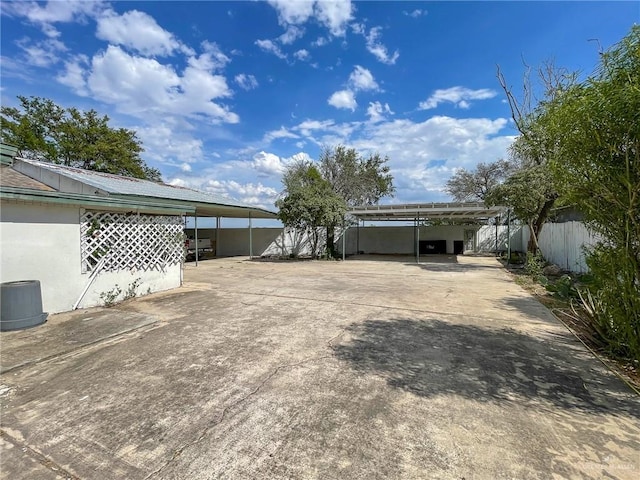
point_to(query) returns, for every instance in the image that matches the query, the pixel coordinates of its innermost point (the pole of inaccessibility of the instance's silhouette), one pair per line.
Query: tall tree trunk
(313, 237)
(535, 227)
(331, 250)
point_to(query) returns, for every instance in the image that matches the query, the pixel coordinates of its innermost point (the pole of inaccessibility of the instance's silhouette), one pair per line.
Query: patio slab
(366, 369)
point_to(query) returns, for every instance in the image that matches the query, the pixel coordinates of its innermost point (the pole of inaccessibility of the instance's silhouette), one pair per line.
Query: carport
(475, 212)
(227, 210)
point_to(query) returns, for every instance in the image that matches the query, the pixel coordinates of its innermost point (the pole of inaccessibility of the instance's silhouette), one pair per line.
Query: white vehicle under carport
(202, 245)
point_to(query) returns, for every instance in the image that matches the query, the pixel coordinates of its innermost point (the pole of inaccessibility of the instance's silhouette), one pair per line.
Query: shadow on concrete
(429, 358)
(447, 263)
(379, 257)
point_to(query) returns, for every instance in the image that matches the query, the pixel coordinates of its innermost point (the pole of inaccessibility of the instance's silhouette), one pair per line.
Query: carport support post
(250, 238)
(418, 239)
(496, 236)
(195, 227)
(217, 235)
(358, 237)
(344, 242)
(508, 236)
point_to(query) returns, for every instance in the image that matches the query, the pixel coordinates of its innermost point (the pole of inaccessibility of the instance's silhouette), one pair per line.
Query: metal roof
(31, 195)
(206, 204)
(452, 210)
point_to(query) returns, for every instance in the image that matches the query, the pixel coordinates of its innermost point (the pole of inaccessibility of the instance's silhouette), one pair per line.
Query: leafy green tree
(45, 131)
(475, 185)
(310, 203)
(596, 165)
(318, 196)
(529, 192)
(354, 179)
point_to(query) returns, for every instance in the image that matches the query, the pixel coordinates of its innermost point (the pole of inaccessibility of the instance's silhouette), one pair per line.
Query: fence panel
(564, 244)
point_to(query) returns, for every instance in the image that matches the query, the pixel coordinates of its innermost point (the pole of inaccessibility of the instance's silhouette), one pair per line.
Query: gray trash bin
(21, 305)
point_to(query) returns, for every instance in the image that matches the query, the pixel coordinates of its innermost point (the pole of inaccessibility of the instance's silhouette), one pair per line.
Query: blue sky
(225, 94)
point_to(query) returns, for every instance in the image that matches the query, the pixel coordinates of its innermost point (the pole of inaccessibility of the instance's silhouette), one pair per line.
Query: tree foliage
(596, 165)
(45, 131)
(528, 192)
(320, 195)
(533, 149)
(310, 203)
(356, 180)
(475, 185)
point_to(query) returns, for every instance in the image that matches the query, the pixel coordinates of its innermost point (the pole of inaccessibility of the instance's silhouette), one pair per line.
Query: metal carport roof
(416, 212)
(413, 211)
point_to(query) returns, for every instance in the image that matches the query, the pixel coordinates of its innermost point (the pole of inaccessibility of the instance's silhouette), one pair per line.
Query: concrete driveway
(372, 368)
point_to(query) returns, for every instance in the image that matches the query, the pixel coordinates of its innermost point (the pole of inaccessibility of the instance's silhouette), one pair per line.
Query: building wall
(374, 239)
(399, 240)
(235, 241)
(42, 242)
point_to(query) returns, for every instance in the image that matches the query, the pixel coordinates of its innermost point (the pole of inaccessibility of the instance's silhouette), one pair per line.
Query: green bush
(534, 264)
(564, 288)
(615, 290)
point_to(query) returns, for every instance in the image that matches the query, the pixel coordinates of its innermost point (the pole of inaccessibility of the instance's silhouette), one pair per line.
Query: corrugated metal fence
(564, 244)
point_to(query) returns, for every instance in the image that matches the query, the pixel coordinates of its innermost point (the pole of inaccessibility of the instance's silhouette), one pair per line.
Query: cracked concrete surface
(370, 368)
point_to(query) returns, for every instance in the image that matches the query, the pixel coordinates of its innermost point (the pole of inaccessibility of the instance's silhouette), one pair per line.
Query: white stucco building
(86, 235)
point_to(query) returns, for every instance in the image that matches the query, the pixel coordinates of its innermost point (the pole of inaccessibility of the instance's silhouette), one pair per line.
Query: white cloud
(320, 42)
(144, 87)
(422, 155)
(362, 79)
(47, 14)
(343, 99)
(332, 14)
(42, 53)
(170, 143)
(459, 96)
(237, 178)
(247, 82)
(358, 28)
(75, 74)
(268, 163)
(251, 193)
(138, 31)
(415, 13)
(211, 57)
(359, 80)
(375, 47)
(292, 12)
(291, 34)
(271, 47)
(302, 55)
(308, 126)
(335, 15)
(280, 133)
(376, 111)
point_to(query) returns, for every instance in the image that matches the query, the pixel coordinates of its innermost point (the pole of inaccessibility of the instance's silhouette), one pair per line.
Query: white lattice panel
(128, 241)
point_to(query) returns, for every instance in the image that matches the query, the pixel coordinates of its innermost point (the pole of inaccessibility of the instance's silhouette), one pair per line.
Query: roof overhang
(405, 212)
(93, 201)
(202, 209)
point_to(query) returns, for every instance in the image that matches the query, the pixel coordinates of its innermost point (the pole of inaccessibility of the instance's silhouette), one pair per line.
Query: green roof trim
(7, 153)
(92, 201)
